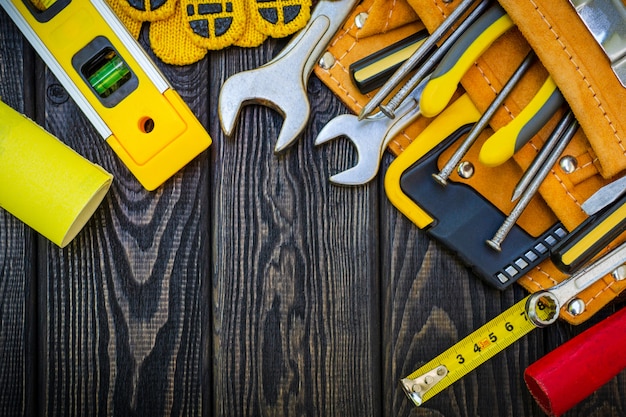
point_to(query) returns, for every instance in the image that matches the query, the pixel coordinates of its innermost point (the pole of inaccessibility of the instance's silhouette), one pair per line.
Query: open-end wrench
(370, 136)
(281, 84)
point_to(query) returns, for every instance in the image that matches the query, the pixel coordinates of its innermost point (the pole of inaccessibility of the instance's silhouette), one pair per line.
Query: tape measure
(539, 309)
(472, 351)
(115, 84)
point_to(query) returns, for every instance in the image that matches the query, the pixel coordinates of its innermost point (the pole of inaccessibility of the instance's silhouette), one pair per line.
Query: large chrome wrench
(281, 84)
(370, 136)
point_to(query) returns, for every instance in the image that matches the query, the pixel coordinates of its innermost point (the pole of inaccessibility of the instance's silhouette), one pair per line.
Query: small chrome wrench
(281, 84)
(560, 295)
(370, 136)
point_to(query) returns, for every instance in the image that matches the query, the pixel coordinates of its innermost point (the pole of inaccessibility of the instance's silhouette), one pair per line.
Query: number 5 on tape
(112, 80)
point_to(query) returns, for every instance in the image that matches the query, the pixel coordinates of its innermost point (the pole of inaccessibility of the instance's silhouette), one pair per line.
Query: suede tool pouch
(595, 158)
(582, 71)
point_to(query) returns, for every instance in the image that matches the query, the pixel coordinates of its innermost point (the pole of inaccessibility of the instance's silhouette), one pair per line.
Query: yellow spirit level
(110, 77)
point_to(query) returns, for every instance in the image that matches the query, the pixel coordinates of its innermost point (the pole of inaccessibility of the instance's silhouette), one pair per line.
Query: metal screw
(465, 170)
(327, 61)
(568, 164)
(576, 307)
(360, 19)
(565, 129)
(480, 125)
(422, 55)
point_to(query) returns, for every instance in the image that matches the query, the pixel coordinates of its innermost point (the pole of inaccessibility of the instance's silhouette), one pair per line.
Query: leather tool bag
(581, 70)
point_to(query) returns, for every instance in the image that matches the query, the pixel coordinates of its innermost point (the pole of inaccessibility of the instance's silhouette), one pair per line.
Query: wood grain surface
(246, 285)
(18, 249)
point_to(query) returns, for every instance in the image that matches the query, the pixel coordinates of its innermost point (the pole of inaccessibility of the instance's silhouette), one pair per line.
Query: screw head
(620, 272)
(576, 307)
(465, 170)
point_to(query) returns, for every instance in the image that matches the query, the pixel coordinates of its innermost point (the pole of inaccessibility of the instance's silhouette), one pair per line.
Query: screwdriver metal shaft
(539, 161)
(567, 127)
(416, 59)
(442, 176)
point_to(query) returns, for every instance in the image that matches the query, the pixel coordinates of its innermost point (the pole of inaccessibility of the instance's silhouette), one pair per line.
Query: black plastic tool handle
(590, 237)
(374, 70)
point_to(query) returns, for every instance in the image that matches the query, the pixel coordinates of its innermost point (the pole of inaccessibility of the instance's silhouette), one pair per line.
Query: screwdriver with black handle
(374, 70)
(606, 221)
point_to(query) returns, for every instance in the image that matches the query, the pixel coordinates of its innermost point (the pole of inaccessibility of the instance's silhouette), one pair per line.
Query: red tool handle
(573, 371)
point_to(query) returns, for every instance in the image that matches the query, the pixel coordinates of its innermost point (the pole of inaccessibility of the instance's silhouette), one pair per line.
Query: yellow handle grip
(510, 138)
(471, 45)
(593, 235)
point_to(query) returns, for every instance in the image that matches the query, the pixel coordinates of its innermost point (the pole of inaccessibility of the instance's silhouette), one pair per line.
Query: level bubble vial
(106, 72)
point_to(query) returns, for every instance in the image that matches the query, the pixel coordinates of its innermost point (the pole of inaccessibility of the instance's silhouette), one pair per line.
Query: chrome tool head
(367, 136)
(370, 137)
(282, 83)
(254, 87)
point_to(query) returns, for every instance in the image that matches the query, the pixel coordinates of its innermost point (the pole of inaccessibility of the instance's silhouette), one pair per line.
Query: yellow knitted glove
(181, 31)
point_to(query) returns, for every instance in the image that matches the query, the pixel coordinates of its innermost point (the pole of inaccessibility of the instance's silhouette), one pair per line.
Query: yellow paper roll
(43, 182)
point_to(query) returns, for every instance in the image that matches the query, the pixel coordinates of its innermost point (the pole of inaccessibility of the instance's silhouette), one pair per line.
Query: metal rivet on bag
(576, 307)
(360, 19)
(327, 61)
(619, 273)
(568, 164)
(465, 169)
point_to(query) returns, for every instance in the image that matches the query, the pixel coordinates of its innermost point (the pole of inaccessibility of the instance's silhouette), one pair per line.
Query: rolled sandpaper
(43, 182)
(573, 371)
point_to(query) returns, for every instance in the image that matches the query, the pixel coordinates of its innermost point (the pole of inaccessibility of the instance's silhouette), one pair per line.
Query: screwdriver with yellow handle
(606, 221)
(510, 138)
(461, 56)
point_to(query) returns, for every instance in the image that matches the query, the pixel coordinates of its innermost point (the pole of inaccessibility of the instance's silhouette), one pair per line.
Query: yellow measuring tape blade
(469, 353)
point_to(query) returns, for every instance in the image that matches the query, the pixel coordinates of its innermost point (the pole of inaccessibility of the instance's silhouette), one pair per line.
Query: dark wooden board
(246, 285)
(18, 326)
(122, 306)
(296, 267)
